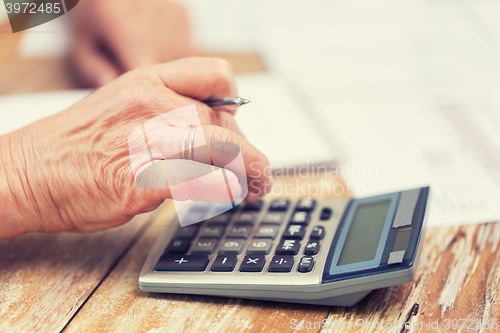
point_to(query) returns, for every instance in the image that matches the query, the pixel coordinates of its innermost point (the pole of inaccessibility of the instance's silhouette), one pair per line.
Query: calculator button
(222, 218)
(306, 205)
(253, 263)
(225, 208)
(187, 232)
(318, 233)
(205, 246)
(274, 218)
(279, 205)
(224, 263)
(178, 246)
(256, 206)
(260, 246)
(216, 224)
(214, 231)
(247, 217)
(312, 248)
(232, 246)
(326, 213)
(288, 246)
(306, 264)
(267, 231)
(281, 264)
(240, 231)
(178, 262)
(295, 231)
(300, 218)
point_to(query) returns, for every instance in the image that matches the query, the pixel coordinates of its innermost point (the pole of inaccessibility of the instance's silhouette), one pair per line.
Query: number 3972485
(32, 7)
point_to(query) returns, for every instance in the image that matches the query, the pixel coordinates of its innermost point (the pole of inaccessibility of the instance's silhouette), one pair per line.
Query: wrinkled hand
(73, 171)
(111, 37)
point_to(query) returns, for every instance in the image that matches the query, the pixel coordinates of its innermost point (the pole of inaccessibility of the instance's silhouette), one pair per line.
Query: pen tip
(245, 101)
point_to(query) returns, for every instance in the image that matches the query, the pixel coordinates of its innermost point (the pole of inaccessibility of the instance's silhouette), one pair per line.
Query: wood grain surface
(457, 278)
(89, 282)
(45, 278)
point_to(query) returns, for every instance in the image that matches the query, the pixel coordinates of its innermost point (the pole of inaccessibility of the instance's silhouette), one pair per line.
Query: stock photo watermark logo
(171, 152)
(26, 14)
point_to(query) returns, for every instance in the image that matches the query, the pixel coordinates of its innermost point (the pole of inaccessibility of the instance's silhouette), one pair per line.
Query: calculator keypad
(267, 231)
(184, 263)
(274, 218)
(256, 206)
(247, 218)
(300, 218)
(288, 246)
(252, 263)
(281, 264)
(222, 218)
(178, 246)
(312, 248)
(240, 231)
(306, 205)
(279, 205)
(294, 231)
(205, 246)
(224, 263)
(212, 231)
(187, 232)
(260, 246)
(232, 246)
(306, 264)
(250, 239)
(318, 232)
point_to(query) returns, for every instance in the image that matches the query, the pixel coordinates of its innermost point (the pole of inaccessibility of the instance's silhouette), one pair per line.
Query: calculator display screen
(364, 235)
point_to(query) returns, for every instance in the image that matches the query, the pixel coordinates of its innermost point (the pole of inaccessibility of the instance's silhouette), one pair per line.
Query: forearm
(16, 216)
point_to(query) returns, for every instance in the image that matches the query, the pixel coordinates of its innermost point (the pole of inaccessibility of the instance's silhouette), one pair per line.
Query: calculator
(326, 252)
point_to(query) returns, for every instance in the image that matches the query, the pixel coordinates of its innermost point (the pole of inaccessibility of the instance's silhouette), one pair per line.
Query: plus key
(182, 263)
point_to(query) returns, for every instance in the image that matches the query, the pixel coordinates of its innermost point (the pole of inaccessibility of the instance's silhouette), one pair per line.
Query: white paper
(379, 75)
(448, 139)
(278, 124)
(224, 25)
(49, 40)
(17, 111)
(361, 44)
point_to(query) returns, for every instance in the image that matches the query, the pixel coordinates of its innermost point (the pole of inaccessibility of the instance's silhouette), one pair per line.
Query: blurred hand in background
(112, 37)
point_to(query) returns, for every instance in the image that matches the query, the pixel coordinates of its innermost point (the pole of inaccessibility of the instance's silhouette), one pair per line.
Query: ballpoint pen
(228, 102)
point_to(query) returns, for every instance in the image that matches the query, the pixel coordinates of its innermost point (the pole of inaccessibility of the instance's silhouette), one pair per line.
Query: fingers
(132, 54)
(125, 29)
(96, 69)
(212, 145)
(198, 78)
(183, 179)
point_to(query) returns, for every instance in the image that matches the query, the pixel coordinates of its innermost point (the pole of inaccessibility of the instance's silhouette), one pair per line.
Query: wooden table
(88, 282)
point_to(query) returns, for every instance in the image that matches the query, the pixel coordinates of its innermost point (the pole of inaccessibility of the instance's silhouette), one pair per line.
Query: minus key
(224, 263)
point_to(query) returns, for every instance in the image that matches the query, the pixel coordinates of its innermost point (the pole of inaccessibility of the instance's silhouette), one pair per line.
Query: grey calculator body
(343, 249)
